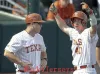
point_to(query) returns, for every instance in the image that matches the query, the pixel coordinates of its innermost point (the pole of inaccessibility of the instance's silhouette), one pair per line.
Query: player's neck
(30, 32)
(80, 31)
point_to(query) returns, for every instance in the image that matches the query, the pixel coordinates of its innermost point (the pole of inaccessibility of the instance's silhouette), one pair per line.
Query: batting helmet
(34, 17)
(81, 15)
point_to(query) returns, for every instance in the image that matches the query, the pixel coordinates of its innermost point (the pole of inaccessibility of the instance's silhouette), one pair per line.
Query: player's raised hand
(85, 6)
(53, 9)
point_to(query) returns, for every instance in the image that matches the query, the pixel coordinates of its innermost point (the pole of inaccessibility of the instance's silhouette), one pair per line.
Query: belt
(83, 66)
(21, 71)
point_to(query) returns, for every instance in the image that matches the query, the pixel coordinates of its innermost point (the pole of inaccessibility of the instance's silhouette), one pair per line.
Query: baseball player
(83, 39)
(26, 49)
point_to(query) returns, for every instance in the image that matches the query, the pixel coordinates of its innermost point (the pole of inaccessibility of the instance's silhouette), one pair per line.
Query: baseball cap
(34, 17)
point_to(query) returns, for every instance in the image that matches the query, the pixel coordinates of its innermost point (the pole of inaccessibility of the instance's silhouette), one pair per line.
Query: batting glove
(86, 7)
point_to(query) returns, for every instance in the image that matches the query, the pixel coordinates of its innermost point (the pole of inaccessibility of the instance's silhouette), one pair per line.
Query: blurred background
(12, 16)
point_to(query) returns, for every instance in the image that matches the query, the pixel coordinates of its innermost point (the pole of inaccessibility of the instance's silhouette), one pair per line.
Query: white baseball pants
(85, 71)
(24, 73)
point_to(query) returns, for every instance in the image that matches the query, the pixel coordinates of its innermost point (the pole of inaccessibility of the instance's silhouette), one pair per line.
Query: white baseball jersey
(83, 47)
(27, 48)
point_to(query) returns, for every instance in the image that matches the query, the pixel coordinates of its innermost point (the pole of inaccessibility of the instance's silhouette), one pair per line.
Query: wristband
(90, 11)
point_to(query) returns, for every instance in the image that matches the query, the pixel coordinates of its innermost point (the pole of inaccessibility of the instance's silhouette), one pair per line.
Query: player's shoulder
(72, 29)
(87, 29)
(18, 35)
(39, 35)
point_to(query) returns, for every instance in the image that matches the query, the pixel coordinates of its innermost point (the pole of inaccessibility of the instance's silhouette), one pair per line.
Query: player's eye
(39, 23)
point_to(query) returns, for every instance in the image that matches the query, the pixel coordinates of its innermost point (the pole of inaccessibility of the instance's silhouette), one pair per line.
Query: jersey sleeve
(43, 47)
(14, 45)
(94, 38)
(70, 32)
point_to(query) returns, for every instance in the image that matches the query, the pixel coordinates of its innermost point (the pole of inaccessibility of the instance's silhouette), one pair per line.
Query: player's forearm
(98, 55)
(98, 61)
(12, 57)
(93, 30)
(43, 55)
(93, 21)
(50, 19)
(60, 22)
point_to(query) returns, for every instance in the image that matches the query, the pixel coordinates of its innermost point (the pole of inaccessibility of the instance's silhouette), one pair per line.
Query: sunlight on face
(37, 26)
(78, 24)
(77, 21)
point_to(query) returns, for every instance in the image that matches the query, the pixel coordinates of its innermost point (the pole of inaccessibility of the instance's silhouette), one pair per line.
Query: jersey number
(79, 48)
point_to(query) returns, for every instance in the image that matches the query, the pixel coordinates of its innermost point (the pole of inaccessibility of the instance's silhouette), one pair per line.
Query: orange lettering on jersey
(35, 47)
(78, 48)
(32, 49)
(79, 41)
(38, 47)
(74, 42)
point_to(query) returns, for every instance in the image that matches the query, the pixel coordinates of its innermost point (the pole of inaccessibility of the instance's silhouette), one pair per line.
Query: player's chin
(77, 29)
(38, 31)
